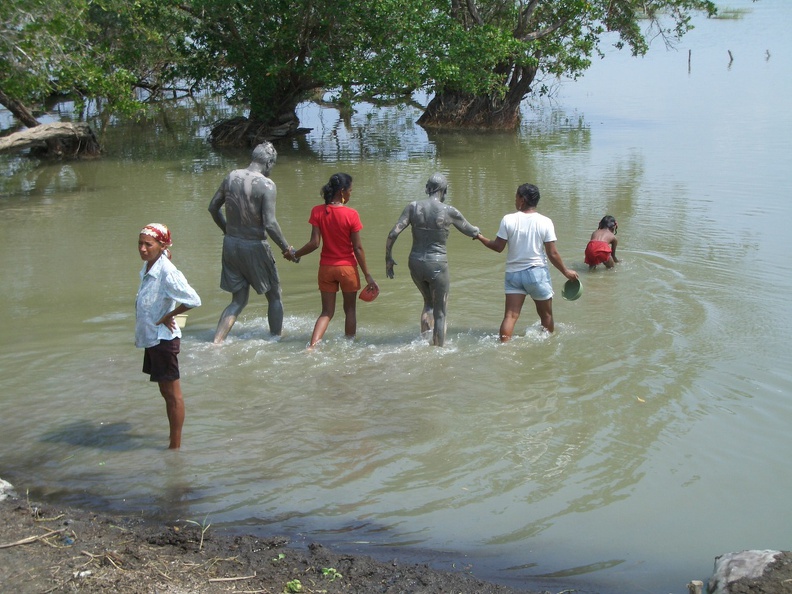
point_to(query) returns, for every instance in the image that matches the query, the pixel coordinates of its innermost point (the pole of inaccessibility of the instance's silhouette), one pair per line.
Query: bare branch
(527, 12)
(474, 13)
(533, 36)
(524, 19)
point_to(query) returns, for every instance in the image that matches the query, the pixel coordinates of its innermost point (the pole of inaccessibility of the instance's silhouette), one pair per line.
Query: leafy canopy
(98, 49)
(489, 42)
(272, 54)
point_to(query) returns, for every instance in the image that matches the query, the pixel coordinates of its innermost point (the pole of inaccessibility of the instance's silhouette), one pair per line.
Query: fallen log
(60, 140)
(242, 131)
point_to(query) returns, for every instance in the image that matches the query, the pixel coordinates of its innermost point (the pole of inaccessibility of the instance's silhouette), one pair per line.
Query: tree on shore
(497, 48)
(108, 51)
(270, 55)
(479, 58)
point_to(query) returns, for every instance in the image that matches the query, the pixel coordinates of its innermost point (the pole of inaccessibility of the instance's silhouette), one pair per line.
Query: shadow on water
(581, 457)
(117, 437)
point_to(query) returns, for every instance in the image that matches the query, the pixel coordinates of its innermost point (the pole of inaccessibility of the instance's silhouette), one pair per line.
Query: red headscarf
(159, 232)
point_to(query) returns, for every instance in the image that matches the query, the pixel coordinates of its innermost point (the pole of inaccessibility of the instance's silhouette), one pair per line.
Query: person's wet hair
(529, 193)
(338, 181)
(265, 154)
(437, 183)
(608, 222)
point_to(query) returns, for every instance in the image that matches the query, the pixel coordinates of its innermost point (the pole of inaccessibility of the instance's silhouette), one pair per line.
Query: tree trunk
(459, 110)
(18, 110)
(71, 140)
(248, 132)
(463, 111)
(50, 140)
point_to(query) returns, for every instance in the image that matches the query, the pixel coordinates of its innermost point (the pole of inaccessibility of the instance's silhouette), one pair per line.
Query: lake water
(622, 454)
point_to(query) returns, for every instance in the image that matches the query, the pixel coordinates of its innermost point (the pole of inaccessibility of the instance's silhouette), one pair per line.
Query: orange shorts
(332, 277)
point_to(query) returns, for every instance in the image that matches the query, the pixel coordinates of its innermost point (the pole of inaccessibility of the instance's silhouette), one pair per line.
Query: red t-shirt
(336, 223)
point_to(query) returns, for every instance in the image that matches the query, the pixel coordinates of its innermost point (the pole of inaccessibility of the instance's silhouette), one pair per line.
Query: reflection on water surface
(603, 455)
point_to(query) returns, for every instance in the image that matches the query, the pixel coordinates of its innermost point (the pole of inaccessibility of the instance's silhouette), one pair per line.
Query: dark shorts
(248, 262)
(161, 361)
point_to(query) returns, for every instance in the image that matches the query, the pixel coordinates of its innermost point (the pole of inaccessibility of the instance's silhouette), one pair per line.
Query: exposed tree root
(245, 132)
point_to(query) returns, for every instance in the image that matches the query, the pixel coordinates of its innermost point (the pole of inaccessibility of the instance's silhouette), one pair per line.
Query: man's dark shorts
(248, 262)
(161, 361)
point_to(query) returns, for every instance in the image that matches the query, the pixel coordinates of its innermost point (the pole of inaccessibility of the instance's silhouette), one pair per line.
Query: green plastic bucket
(573, 289)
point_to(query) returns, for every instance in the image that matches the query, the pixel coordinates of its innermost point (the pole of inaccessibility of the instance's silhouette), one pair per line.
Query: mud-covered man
(249, 199)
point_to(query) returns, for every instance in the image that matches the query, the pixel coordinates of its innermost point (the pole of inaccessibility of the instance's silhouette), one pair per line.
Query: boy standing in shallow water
(163, 294)
(601, 248)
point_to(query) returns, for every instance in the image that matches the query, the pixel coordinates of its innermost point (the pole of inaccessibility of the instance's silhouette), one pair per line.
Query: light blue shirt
(161, 290)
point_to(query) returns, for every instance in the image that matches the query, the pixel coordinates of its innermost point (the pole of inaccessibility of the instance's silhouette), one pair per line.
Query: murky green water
(647, 436)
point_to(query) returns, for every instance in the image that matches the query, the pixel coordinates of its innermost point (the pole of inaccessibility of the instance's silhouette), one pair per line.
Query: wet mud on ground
(47, 548)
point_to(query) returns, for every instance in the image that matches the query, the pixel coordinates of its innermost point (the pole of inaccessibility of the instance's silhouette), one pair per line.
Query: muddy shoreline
(51, 548)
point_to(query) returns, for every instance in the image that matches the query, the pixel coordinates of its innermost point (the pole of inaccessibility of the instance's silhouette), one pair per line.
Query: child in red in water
(601, 249)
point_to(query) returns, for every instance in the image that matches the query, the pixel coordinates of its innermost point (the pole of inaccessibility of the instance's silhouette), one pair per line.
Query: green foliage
(32, 41)
(331, 572)
(93, 49)
(272, 54)
(490, 42)
(204, 526)
(471, 59)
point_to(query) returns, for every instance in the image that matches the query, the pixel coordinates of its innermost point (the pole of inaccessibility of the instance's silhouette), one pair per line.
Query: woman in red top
(337, 228)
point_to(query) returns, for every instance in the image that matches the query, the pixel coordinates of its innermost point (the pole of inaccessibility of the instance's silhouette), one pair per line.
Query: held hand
(291, 254)
(371, 283)
(571, 274)
(389, 264)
